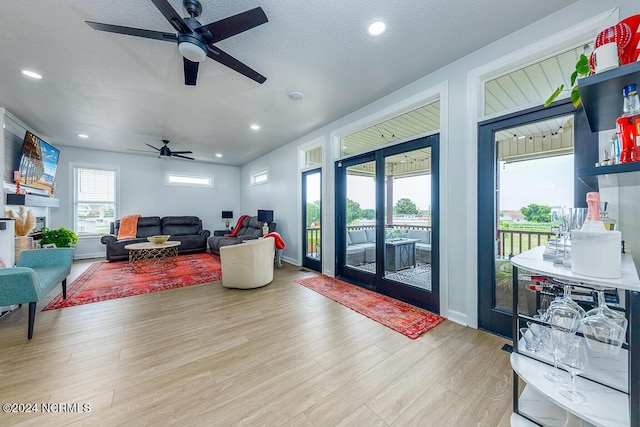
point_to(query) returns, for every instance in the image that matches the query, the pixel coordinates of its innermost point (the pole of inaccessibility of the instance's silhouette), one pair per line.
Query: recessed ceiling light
(83, 135)
(218, 155)
(255, 127)
(31, 74)
(296, 95)
(376, 28)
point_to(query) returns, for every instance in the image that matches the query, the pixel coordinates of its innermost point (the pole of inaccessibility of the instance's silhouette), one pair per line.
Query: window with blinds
(94, 206)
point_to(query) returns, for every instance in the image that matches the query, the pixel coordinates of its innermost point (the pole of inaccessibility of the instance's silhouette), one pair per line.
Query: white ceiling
(127, 91)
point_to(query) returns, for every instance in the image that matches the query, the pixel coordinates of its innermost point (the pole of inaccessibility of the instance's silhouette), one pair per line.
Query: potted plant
(582, 70)
(61, 237)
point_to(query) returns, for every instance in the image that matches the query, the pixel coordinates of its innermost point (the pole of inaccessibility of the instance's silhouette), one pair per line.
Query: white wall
(141, 190)
(458, 283)
(279, 195)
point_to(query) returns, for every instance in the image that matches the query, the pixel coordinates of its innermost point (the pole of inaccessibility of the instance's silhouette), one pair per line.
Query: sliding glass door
(387, 219)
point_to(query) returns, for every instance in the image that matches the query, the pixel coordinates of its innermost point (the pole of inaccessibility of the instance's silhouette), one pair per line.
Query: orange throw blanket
(128, 227)
(236, 230)
(279, 242)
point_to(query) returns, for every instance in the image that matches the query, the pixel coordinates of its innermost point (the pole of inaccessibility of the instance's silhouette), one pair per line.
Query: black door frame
(429, 300)
(491, 319)
(312, 263)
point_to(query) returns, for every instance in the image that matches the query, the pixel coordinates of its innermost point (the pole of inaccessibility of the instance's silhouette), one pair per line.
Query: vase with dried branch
(25, 222)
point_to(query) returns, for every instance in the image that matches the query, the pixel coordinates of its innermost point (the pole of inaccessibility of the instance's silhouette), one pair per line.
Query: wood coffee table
(150, 256)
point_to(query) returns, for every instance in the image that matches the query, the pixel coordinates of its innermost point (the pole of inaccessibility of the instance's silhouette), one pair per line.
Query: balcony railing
(510, 242)
(314, 234)
(514, 242)
(313, 239)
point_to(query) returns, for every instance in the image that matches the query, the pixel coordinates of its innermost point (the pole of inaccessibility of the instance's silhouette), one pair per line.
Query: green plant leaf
(574, 77)
(554, 95)
(582, 66)
(575, 97)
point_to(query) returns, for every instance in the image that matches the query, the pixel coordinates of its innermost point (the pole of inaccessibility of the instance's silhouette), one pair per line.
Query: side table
(147, 255)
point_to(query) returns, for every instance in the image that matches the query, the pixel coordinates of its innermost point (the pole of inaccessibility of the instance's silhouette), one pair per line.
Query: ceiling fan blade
(182, 157)
(138, 32)
(181, 152)
(225, 59)
(141, 151)
(190, 72)
(153, 147)
(232, 25)
(172, 16)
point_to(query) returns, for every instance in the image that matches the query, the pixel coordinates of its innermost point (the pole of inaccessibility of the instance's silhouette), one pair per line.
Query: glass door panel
(312, 219)
(534, 174)
(407, 218)
(360, 214)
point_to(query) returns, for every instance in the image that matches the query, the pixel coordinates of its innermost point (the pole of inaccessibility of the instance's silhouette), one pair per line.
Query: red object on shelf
(629, 52)
(627, 134)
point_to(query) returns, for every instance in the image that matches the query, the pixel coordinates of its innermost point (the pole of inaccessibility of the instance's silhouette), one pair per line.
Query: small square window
(260, 177)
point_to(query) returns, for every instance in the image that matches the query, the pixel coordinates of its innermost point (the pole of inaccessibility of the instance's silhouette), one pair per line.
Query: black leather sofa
(185, 229)
(250, 229)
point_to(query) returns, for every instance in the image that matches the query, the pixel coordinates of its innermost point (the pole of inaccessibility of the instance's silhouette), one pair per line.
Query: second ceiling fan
(165, 151)
(195, 41)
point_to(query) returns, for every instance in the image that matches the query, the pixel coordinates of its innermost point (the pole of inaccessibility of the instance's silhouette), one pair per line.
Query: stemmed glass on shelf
(575, 360)
(557, 226)
(564, 316)
(576, 219)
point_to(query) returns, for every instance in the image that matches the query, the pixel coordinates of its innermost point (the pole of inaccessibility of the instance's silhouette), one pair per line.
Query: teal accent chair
(36, 274)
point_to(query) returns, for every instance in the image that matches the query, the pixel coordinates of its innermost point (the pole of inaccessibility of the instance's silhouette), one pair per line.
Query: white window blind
(94, 200)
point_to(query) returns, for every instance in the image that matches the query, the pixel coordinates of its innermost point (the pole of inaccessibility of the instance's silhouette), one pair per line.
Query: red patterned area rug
(110, 280)
(397, 315)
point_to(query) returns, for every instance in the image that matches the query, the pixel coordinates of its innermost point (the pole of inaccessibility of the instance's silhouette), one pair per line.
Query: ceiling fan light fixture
(295, 95)
(376, 28)
(192, 50)
(31, 74)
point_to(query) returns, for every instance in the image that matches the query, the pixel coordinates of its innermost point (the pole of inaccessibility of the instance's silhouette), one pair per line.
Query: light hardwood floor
(281, 355)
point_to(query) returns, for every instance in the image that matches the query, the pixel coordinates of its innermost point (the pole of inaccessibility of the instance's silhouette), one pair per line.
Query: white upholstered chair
(248, 265)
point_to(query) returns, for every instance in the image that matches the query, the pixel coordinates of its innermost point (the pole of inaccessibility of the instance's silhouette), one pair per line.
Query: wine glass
(564, 318)
(532, 339)
(556, 345)
(577, 216)
(604, 329)
(557, 228)
(575, 360)
(564, 301)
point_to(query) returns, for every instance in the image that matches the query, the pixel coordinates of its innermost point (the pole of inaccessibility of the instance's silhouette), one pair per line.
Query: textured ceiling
(127, 91)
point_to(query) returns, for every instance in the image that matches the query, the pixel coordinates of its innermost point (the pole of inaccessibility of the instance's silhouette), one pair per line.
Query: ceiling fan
(165, 151)
(195, 41)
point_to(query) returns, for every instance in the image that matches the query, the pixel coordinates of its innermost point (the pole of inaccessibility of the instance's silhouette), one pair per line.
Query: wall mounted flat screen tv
(38, 163)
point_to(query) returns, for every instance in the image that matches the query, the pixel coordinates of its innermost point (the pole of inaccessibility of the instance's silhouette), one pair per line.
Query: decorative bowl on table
(158, 240)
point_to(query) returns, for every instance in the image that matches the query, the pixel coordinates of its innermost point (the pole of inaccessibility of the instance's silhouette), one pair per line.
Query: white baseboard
(89, 256)
(456, 316)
